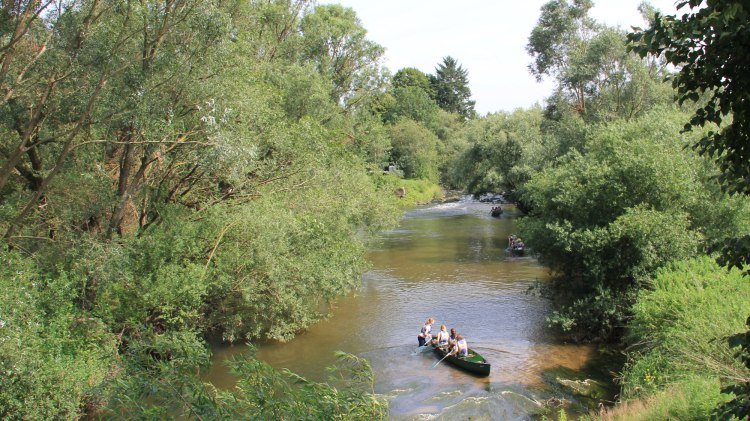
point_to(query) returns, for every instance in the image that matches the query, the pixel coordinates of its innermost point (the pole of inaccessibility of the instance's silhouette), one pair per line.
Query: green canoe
(474, 363)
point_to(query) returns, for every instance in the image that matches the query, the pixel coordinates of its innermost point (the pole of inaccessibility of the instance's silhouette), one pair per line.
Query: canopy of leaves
(414, 149)
(503, 151)
(411, 77)
(596, 76)
(334, 39)
(711, 46)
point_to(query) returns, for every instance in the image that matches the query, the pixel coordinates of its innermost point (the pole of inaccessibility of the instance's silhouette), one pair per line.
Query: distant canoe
(496, 211)
(516, 251)
(474, 363)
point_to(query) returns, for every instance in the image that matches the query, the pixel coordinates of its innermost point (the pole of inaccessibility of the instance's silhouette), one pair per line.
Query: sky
(487, 37)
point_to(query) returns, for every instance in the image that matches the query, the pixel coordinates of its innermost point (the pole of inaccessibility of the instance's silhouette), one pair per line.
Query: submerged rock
(446, 396)
(524, 403)
(587, 388)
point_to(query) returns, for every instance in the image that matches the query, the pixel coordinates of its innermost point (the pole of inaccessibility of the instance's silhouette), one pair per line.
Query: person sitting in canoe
(452, 337)
(443, 338)
(425, 334)
(460, 348)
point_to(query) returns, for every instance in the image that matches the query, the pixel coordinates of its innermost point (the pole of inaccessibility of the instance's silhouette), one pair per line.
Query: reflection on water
(448, 262)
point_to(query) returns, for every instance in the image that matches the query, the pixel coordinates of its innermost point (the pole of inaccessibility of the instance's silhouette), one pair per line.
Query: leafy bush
(504, 149)
(739, 406)
(169, 389)
(606, 220)
(414, 150)
(679, 330)
(53, 357)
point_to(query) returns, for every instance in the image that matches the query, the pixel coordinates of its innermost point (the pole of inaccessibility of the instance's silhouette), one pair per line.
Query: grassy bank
(415, 192)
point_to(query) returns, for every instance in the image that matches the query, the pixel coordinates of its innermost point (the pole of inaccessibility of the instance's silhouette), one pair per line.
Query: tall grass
(680, 356)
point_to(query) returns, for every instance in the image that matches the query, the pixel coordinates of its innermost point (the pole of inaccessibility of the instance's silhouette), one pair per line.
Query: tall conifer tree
(451, 83)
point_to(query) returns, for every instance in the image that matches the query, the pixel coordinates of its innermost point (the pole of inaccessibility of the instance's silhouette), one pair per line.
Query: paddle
(425, 347)
(441, 360)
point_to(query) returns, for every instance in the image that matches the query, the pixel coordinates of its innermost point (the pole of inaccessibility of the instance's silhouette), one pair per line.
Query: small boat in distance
(516, 247)
(473, 363)
(496, 211)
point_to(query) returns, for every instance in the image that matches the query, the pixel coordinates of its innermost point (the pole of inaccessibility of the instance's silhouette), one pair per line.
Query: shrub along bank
(680, 356)
(607, 219)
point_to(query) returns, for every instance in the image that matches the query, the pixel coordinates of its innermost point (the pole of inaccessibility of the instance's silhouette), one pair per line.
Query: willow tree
(335, 40)
(595, 74)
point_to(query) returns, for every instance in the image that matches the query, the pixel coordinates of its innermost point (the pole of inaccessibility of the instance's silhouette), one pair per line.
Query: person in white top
(425, 334)
(443, 338)
(461, 348)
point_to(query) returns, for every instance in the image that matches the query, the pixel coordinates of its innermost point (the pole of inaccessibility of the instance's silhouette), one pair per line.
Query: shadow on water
(449, 262)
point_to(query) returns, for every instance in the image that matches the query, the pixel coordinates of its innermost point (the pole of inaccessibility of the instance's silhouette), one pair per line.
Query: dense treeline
(174, 170)
(621, 207)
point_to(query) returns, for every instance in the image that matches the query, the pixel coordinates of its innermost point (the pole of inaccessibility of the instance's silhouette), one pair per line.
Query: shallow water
(447, 261)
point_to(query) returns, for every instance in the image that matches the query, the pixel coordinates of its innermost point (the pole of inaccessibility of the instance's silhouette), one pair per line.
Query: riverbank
(410, 192)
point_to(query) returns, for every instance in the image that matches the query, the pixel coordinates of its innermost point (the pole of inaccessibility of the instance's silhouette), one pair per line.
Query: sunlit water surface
(447, 261)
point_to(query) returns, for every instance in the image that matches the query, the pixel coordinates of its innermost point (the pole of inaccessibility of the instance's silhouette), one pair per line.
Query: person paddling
(460, 348)
(425, 334)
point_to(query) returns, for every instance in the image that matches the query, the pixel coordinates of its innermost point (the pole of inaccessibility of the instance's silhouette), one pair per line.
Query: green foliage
(303, 92)
(200, 178)
(503, 151)
(679, 328)
(709, 44)
(417, 192)
(740, 405)
(607, 265)
(411, 77)
(691, 398)
(171, 388)
(333, 38)
(414, 150)
(53, 356)
(596, 76)
(369, 139)
(268, 394)
(413, 103)
(607, 219)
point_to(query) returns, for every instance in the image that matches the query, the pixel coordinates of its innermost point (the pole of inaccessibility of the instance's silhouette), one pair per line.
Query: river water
(445, 261)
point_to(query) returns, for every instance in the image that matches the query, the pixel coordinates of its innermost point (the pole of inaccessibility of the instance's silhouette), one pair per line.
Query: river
(445, 261)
